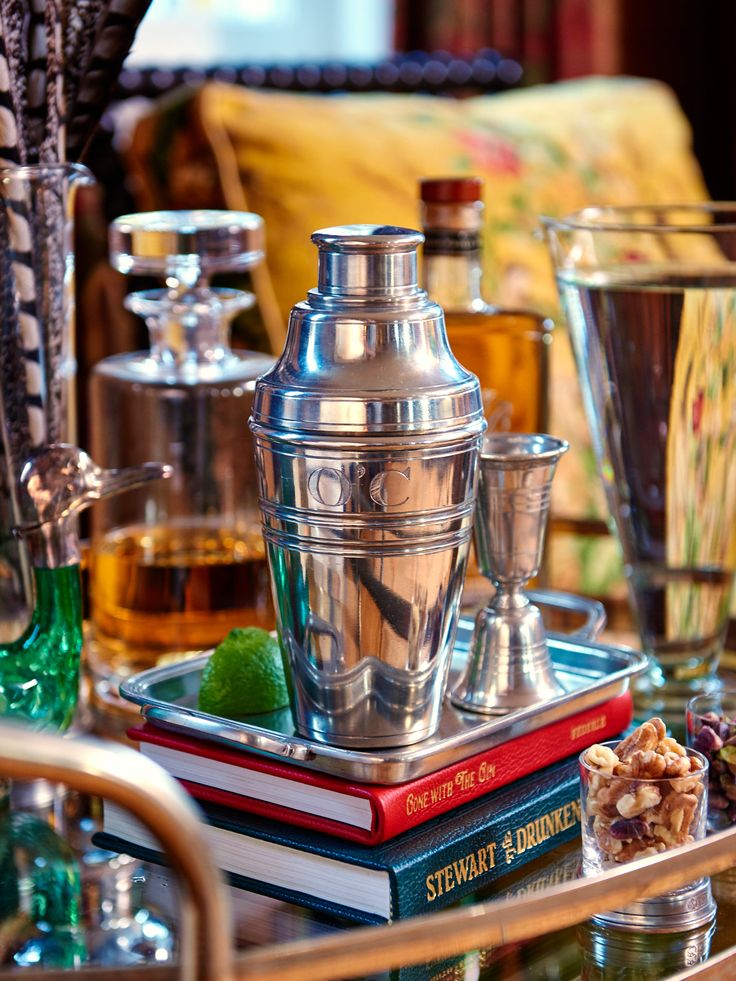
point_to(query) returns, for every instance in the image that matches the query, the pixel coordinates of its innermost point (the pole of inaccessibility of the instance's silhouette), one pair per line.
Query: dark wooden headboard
(438, 73)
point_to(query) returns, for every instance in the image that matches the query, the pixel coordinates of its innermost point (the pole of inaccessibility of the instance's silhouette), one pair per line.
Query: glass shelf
(65, 904)
(127, 913)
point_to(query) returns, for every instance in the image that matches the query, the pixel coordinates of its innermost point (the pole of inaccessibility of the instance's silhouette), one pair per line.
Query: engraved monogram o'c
(384, 485)
(329, 487)
(332, 487)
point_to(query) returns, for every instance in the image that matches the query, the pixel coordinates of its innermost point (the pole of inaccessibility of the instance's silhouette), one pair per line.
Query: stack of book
(369, 852)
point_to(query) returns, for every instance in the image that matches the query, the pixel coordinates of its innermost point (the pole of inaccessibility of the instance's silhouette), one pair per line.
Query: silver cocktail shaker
(367, 433)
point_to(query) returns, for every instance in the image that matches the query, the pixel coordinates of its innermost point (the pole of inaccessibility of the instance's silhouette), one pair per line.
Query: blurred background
(163, 144)
(686, 44)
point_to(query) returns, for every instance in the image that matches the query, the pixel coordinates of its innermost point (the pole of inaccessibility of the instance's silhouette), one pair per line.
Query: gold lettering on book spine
(587, 728)
(415, 802)
(463, 782)
(536, 832)
(465, 869)
(483, 772)
(515, 842)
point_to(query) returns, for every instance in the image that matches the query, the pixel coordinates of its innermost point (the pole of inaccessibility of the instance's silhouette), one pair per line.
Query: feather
(15, 417)
(49, 50)
(53, 147)
(35, 115)
(13, 81)
(113, 38)
(80, 20)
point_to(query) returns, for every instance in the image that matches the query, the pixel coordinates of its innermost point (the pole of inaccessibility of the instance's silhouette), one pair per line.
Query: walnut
(595, 783)
(670, 745)
(600, 804)
(609, 845)
(667, 836)
(623, 768)
(659, 726)
(646, 737)
(677, 819)
(605, 800)
(601, 757)
(687, 785)
(688, 804)
(640, 849)
(676, 812)
(633, 804)
(676, 766)
(647, 764)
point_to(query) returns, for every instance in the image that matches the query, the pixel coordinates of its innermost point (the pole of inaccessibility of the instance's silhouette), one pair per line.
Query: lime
(244, 675)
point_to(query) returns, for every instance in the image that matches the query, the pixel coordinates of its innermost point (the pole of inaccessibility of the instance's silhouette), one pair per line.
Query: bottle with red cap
(506, 349)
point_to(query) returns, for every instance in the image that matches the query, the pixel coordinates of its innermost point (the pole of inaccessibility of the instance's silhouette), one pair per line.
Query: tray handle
(210, 728)
(593, 610)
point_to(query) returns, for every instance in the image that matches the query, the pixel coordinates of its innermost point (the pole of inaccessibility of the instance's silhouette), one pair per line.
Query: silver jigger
(509, 664)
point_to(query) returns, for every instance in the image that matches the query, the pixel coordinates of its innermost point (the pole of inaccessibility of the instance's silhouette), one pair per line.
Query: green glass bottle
(39, 672)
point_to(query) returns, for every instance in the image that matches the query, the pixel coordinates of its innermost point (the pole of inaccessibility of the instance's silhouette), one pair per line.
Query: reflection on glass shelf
(626, 956)
(63, 902)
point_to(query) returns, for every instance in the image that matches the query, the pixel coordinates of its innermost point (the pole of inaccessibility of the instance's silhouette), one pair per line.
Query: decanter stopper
(186, 247)
(509, 664)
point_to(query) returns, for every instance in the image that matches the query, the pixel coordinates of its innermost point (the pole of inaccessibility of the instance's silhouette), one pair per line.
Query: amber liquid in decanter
(164, 589)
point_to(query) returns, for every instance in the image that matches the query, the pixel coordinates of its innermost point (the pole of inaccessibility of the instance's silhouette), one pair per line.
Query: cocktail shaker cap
(367, 351)
(367, 260)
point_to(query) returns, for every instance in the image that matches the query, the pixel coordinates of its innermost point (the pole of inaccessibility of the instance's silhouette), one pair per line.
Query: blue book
(426, 868)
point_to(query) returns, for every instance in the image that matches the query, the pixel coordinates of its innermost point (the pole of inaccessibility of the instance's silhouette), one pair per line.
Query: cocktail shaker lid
(367, 351)
(367, 260)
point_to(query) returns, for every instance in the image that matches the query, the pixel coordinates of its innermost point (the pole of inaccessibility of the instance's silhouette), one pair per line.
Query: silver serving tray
(590, 673)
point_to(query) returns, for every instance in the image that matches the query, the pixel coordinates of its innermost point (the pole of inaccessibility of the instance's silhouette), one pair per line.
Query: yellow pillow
(305, 162)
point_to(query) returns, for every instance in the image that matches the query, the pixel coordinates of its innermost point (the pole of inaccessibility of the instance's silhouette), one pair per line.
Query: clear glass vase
(37, 365)
(649, 293)
(37, 361)
(44, 479)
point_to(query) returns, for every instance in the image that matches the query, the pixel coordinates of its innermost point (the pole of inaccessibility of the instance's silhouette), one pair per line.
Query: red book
(364, 812)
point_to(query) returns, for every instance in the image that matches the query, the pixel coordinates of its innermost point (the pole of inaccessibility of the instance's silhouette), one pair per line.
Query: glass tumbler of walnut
(640, 796)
